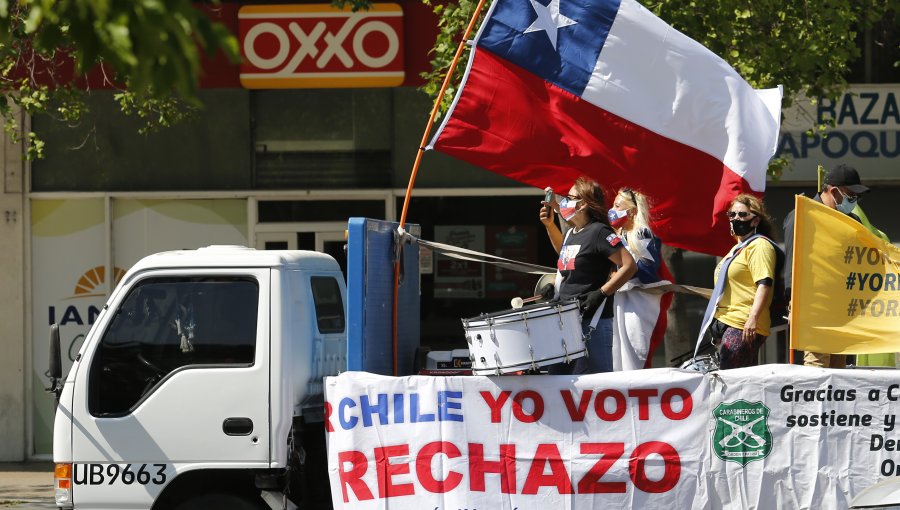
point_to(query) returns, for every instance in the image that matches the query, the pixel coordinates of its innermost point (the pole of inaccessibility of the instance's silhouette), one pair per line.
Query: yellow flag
(846, 284)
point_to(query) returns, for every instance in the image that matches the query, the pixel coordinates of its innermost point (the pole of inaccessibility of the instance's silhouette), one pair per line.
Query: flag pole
(434, 110)
(417, 162)
(791, 303)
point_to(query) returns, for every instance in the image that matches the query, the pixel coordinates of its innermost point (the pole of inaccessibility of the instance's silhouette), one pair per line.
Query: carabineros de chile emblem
(742, 431)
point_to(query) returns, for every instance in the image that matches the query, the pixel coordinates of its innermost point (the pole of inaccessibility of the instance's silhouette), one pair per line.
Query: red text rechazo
(398, 474)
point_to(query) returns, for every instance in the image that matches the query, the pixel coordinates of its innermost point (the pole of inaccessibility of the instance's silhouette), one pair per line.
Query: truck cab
(200, 384)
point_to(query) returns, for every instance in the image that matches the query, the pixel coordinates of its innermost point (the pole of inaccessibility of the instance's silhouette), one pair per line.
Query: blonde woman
(639, 323)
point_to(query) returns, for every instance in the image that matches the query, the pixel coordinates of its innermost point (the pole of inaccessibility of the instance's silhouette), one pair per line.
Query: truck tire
(221, 500)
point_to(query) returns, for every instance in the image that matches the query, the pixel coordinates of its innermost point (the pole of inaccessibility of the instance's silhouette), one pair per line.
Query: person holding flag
(639, 322)
(588, 254)
(842, 191)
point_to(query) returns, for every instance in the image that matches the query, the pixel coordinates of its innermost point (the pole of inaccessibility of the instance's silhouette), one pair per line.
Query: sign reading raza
(319, 46)
(865, 133)
(651, 438)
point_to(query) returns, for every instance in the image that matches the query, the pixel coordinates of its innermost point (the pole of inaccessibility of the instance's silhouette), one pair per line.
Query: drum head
(544, 280)
(529, 311)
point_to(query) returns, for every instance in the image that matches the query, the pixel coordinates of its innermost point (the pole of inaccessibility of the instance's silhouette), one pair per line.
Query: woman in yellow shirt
(741, 319)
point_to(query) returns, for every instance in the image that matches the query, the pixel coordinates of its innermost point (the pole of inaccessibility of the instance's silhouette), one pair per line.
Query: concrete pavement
(26, 485)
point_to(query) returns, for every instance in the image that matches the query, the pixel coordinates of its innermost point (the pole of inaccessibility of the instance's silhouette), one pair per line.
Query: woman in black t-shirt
(588, 253)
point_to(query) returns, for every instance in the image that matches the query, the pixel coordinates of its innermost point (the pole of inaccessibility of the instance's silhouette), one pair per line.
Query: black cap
(846, 176)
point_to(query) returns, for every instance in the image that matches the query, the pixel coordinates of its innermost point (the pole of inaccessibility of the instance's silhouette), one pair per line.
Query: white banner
(774, 436)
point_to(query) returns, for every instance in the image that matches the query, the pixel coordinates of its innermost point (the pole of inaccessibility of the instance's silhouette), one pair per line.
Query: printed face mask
(617, 218)
(742, 228)
(568, 208)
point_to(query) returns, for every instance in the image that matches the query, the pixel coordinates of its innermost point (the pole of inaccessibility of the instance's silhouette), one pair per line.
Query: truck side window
(165, 324)
(329, 305)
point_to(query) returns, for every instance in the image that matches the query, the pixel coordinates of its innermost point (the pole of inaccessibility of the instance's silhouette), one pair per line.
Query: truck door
(178, 374)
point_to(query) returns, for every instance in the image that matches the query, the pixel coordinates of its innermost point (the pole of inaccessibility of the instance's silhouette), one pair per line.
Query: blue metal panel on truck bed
(370, 287)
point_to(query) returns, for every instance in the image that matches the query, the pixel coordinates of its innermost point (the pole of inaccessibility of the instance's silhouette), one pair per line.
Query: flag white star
(549, 20)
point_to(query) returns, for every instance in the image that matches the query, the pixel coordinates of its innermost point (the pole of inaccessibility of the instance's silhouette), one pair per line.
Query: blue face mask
(847, 204)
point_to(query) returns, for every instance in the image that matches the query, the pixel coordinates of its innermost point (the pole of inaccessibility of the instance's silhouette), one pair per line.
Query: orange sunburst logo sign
(93, 278)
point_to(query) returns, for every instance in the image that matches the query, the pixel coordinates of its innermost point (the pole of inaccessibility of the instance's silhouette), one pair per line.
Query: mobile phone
(548, 198)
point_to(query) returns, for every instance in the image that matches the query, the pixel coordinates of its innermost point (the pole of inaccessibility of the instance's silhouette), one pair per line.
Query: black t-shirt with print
(584, 262)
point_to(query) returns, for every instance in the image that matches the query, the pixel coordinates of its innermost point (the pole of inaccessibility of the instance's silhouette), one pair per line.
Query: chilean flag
(606, 89)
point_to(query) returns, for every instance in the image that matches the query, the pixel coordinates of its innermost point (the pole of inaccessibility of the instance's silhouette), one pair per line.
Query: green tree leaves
(151, 49)
(151, 44)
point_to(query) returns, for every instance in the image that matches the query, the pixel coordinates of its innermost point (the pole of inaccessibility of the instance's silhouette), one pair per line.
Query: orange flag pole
(415, 169)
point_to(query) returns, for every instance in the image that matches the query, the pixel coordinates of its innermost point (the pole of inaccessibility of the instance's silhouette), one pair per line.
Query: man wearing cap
(842, 190)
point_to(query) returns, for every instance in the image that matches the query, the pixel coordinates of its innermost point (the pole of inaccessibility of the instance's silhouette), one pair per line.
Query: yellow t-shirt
(754, 263)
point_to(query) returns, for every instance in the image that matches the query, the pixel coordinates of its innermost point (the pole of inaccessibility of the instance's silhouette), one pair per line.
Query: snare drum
(525, 338)
(702, 364)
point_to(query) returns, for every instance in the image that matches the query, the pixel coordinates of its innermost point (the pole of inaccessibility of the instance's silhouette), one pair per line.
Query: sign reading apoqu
(319, 46)
(865, 133)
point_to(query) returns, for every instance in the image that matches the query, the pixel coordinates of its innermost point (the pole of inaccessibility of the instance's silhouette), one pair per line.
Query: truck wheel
(221, 500)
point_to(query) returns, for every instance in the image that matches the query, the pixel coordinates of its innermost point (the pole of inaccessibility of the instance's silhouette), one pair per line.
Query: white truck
(200, 384)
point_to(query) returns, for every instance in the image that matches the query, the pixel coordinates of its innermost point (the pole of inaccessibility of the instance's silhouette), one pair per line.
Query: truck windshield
(165, 324)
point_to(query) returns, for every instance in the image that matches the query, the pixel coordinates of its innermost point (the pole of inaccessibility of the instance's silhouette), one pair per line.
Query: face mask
(742, 228)
(846, 206)
(617, 218)
(568, 208)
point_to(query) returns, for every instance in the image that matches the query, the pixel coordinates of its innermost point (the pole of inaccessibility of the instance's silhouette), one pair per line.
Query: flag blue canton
(570, 64)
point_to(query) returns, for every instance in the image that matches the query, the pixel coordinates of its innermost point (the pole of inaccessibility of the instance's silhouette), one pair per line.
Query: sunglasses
(742, 215)
(849, 196)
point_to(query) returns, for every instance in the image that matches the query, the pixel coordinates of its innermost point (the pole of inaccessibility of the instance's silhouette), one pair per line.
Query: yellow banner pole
(792, 303)
(820, 185)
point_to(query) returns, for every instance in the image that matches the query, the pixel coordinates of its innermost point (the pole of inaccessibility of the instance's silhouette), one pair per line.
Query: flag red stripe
(662, 320)
(518, 125)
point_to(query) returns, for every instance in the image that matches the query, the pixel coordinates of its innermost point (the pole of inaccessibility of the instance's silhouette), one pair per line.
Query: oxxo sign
(319, 46)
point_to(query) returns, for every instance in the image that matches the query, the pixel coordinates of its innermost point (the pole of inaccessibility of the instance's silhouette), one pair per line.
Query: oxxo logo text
(319, 46)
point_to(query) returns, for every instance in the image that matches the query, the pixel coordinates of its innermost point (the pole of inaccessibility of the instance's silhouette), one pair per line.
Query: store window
(105, 151)
(322, 138)
(299, 211)
(507, 226)
(879, 52)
